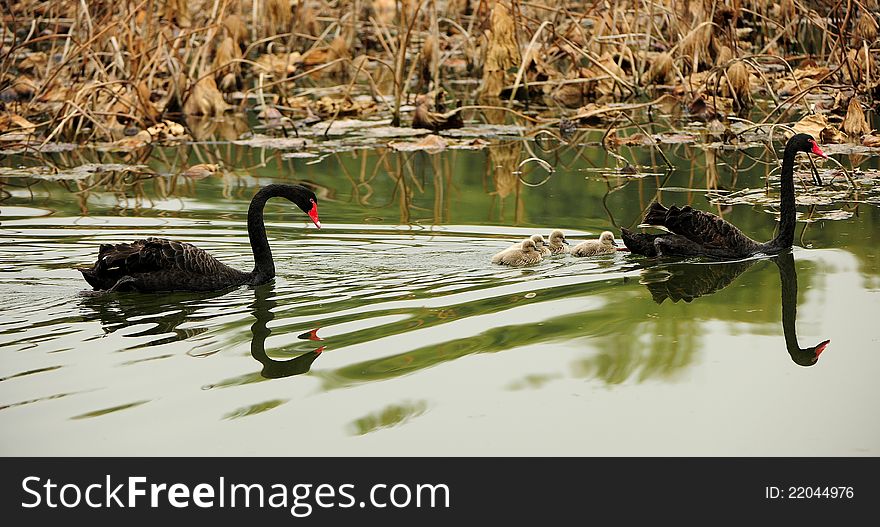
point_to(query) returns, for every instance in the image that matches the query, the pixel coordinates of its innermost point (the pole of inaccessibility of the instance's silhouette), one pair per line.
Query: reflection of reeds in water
(137, 178)
(390, 416)
(503, 164)
(230, 127)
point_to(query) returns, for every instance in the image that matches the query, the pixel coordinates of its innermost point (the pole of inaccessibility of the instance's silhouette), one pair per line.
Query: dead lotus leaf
(854, 124)
(344, 107)
(140, 140)
(279, 65)
(638, 139)
(205, 99)
(502, 52)
(817, 126)
(87, 170)
(430, 143)
(811, 72)
(434, 121)
(470, 144)
(201, 170)
(708, 107)
(825, 215)
(280, 143)
(167, 131)
(871, 141)
(14, 127)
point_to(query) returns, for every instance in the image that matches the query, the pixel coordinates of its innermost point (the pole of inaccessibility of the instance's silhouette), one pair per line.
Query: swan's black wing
(703, 228)
(159, 254)
(156, 258)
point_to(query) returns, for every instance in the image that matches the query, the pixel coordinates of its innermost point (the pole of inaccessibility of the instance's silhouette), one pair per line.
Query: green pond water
(428, 349)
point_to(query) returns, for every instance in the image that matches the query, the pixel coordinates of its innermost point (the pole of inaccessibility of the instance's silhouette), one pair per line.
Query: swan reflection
(274, 368)
(688, 282)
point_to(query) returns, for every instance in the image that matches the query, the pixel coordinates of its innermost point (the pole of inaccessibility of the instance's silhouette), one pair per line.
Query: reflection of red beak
(818, 151)
(320, 350)
(310, 335)
(821, 347)
(314, 215)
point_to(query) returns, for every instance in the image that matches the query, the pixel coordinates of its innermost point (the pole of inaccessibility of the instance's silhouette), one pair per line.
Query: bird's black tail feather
(656, 214)
(639, 243)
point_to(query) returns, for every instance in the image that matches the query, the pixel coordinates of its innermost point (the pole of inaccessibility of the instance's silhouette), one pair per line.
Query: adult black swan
(697, 233)
(157, 264)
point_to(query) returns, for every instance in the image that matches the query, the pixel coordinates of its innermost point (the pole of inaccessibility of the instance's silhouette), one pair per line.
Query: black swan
(697, 233)
(157, 264)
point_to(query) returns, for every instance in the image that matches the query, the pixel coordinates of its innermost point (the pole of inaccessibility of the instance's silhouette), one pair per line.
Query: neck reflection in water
(273, 368)
(684, 281)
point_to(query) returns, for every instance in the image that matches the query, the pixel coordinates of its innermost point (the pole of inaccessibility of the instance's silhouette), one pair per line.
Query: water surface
(425, 347)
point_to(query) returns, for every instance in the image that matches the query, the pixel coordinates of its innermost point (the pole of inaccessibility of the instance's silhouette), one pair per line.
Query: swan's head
(557, 237)
(305, 199)
(805, 143)
(607, 238)
(528, 245)
(539, 240)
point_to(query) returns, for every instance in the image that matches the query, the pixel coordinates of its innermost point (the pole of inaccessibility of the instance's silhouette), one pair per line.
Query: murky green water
(428, 348)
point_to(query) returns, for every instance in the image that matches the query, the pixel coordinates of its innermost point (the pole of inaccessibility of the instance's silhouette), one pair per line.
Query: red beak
(821, 347)
(313, 214)
(320, 350)
(818, 151)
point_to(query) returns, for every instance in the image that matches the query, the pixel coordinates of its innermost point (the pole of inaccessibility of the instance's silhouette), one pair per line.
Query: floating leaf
(431, 143)
(279, 143)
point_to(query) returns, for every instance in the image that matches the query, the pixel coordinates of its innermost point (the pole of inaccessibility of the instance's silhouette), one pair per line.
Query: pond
(389, 332)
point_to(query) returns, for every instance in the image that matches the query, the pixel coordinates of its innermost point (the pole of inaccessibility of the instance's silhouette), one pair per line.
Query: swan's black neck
(264, 266)
(787, 212)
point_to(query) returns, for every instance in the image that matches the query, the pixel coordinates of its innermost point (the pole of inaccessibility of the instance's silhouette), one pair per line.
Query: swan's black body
(157, 264)
(697, 233)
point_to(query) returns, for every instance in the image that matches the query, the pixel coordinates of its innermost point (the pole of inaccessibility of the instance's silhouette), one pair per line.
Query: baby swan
(540, 245)
(558, 243)
(526, 253)
(604, 245)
